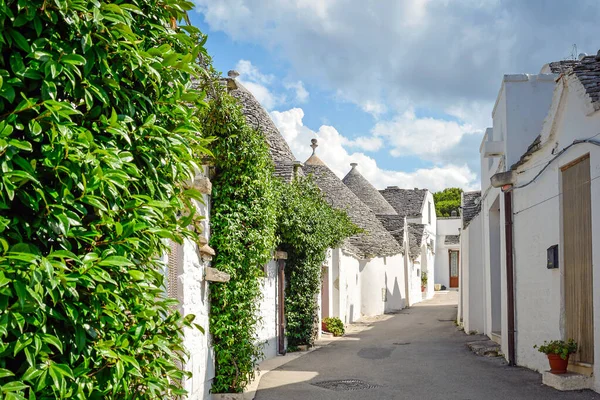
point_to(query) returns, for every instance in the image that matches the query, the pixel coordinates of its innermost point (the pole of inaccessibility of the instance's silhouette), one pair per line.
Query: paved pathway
(416, 354)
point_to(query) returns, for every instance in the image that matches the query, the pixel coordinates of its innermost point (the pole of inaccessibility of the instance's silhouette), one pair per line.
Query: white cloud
(437, 53)
(300, 91)
(333, 150)
(365, 143)
(373, 108)
(250, 72)
(425, 137)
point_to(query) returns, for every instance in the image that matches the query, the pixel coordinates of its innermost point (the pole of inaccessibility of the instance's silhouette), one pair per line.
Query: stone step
(487, 348)
(568, 381)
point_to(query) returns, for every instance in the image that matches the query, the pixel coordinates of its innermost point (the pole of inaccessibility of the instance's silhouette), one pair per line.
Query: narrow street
(415, 354)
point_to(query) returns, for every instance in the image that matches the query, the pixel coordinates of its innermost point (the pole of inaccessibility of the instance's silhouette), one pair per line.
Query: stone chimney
(353, 165)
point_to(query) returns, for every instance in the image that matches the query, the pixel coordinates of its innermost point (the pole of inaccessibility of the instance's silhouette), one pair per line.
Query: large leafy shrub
(307, 227)
(96, 134)
(243, 220)
(446, 201)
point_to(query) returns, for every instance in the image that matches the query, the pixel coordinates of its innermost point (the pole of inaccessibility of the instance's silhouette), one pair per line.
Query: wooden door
(577, 250)
(453, 255)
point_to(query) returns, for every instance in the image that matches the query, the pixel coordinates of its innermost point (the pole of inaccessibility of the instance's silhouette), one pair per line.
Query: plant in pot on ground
(423, 281)
(334, 325)
(558, 352)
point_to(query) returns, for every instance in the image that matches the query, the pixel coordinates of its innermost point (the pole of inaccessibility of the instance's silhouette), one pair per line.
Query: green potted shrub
(423, 281)
(334, 325)
(558, 352)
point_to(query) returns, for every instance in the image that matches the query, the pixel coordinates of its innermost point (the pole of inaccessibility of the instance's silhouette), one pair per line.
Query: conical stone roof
(367, 193)
(376, 241)
(258, 118)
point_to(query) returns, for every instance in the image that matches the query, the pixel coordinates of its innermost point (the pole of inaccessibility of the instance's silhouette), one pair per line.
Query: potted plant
(334, 325)
(558, 352)
(423, 281)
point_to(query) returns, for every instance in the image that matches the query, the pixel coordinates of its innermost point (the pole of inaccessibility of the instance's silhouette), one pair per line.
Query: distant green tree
(446, 201)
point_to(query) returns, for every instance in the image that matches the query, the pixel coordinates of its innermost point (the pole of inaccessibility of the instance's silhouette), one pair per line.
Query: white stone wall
(472, 282)
(537, 226)
(348, 283)
(267, 330)
(193, 294)
(445, 226)
(394, 283)
(195, 301)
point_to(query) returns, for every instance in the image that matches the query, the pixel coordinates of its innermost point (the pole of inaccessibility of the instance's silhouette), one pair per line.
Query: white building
(557, 224)
(522, 104)
(368, 266)
(447, 252)
(543, 152)
(418, 208)
(471, 305)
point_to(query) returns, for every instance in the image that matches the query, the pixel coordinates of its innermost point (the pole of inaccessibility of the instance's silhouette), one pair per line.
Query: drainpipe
(505, 180)
(510, 295)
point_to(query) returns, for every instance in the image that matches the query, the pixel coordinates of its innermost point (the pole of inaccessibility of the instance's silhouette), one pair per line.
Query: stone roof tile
(452, 239)
(415, 238)
(587, 70)
(367, 193)
(406, 202)
(375, 240)
(471, 206)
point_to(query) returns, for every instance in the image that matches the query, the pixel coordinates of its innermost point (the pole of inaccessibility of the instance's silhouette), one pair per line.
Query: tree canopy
(446, 201)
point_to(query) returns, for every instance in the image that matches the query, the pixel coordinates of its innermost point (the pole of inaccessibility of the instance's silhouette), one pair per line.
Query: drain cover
(344, 385)
(401, 343)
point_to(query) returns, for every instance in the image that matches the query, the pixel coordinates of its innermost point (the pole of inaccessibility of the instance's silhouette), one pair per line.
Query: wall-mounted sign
(552, 261)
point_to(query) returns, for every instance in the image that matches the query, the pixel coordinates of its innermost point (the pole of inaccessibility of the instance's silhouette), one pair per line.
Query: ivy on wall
(307, 227)
(243, 220)
(96, 137)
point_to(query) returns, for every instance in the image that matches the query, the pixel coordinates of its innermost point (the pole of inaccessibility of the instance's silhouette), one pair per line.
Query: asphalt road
(415, 354)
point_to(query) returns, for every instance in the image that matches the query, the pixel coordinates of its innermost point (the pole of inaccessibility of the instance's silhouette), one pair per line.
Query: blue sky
(405, 88)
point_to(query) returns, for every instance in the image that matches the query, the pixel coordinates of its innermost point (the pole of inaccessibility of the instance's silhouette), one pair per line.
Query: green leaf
(20, 40)
(73, 59)
(137, 275)
(117, 261)
(5, 373)
(14, 386)
(54, 341)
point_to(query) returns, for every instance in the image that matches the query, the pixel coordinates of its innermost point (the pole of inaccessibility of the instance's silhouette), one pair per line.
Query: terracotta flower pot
(423, 289)
(557, 364)
(324, 327)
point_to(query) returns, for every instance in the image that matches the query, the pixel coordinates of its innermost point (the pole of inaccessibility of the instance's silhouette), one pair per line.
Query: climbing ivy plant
(98, 129)
(243, 221)
(307, 227)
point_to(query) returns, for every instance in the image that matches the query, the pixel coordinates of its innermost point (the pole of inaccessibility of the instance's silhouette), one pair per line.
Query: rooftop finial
(233, 74)
(353, 165)
(314, 145)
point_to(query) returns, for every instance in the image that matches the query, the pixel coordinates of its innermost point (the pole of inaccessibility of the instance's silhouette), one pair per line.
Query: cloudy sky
(403, 87)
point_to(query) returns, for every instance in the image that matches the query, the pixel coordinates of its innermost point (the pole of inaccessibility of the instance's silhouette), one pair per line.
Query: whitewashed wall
(472, 282)
(267, 329)
(394, 283)
(195, 301)
(445, 226)
(193, 293)
(348, 286)
(539, 298)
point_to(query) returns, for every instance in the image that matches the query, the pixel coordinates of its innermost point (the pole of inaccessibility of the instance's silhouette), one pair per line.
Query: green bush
(558, 347)
(97, 131)
(334, 325)
(243, 220)
(307, 227)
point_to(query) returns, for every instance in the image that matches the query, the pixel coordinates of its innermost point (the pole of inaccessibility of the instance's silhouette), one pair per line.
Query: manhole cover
(343, 385)
(401, 343)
